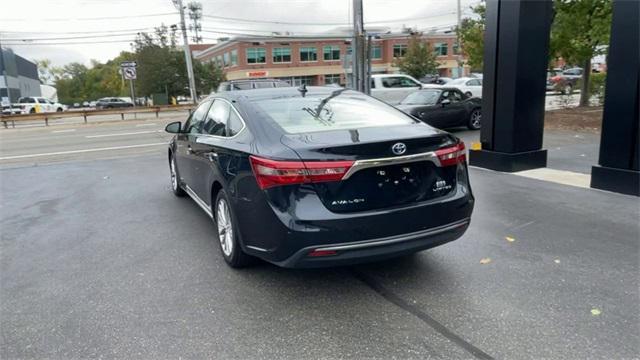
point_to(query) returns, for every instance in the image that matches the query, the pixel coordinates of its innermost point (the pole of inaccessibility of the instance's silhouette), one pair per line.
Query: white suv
(35, 104)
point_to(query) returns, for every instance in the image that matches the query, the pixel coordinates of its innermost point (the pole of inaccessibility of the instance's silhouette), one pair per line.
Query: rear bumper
(286, 237)
(376, 249)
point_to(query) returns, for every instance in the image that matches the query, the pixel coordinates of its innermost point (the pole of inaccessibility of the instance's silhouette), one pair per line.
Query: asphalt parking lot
(99, 259)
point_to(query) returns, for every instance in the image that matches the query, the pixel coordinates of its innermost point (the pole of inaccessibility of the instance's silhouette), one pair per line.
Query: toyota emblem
(399, 148)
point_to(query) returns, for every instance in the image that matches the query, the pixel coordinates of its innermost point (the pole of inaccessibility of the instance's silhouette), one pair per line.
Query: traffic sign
(129, 73)
(125, 64)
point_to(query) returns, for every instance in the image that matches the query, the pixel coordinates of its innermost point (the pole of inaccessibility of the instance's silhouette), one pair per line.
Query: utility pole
(195, 14)
(459, 57)
(358, 54)
(187, 52)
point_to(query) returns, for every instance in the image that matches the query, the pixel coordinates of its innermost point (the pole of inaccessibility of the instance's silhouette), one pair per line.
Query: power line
(92, 18)
(321, 24)
(68, 43)
(73, 32)
(70, 37)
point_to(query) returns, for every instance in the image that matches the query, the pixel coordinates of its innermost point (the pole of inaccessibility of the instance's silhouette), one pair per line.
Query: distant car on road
(37, 104)
(248, 84)
(468, 85)
(444, 108)
(564, 82)
(319, 176)
(112, 103)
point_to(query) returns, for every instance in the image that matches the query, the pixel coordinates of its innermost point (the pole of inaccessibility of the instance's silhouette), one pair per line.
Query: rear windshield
(335, 111)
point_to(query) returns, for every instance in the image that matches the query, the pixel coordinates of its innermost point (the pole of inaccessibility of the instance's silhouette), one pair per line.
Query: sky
(81, 30)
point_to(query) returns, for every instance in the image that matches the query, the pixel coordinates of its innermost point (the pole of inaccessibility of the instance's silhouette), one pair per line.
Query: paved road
(36, 145)
(99, 259)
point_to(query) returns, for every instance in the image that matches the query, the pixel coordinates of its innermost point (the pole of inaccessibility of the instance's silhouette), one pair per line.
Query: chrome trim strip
(396, 238)
(244, 124)
(256, 248)
(198, 201)
(365, 164)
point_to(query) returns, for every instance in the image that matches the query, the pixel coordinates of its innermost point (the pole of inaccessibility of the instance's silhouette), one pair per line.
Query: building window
(226, 60)
(299, 80)
(331, 52)
(308, 54)
(440, 49)
(281, 55)
(234, 57)
(399, 50)
(256, 56)
(332, 79)
(456, 49)
(376, 52)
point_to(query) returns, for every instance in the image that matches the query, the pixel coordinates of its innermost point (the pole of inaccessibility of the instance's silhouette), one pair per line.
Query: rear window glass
(263, 84)
(241, 86)
(335, 111)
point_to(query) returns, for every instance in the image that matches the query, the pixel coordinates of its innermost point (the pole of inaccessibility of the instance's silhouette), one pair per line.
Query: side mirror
(174, 127)
(444, 103)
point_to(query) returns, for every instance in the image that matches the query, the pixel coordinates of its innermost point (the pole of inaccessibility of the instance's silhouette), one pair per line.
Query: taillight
(271, 173)
(452, 155)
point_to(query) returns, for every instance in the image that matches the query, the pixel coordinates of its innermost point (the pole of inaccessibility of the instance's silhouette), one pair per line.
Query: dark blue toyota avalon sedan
(319, 176)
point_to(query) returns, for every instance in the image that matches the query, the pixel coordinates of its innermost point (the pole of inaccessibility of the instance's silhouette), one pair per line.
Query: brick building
(318, 60)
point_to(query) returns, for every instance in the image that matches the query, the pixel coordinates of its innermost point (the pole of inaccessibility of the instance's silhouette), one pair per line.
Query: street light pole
(459, 57)
(358, 54)
(187, 52)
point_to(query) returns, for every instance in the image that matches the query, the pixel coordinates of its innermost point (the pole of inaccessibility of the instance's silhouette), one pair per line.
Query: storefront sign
(259, 73)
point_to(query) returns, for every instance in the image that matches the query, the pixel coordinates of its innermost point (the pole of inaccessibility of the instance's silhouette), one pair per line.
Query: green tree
(208, 76)
(419, 60)
(579, 31)
(471, 37)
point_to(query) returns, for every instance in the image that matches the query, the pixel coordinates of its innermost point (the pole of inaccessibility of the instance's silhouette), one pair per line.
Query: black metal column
(619, 164)
(513, 96)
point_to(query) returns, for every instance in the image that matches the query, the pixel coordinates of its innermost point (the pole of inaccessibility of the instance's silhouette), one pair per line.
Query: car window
(195, 121)
(473, 82)
(42, 101)
(26, 100)
(373, 83)
(422, 97)
(263, 84)
(340, 109)
(235, 124)
(406, 82)
(452, 96)
(215, 122)
(241, 86)
(457, 81)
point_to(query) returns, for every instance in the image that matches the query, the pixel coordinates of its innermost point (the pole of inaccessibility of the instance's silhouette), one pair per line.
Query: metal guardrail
(6, 119)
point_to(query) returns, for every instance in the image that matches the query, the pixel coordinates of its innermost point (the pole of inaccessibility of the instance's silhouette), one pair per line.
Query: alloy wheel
(476, 118)
(225, 227)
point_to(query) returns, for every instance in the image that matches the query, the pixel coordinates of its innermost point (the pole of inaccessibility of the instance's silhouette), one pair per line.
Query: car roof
(442, 88)
(273, 93)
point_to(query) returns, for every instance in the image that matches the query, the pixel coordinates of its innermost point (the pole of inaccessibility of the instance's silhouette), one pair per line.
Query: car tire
(567, 89)
(59, 110)
(32, 111)
(175, 178)
(468, 94)
(475, 119)
(227, 232)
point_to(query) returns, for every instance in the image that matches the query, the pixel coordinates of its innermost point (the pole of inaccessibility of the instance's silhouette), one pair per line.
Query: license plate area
(388, 186)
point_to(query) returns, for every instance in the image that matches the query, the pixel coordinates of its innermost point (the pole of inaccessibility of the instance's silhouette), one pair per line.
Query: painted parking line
(558, 176)
(81, 151)
(122, 134)
(63, 131)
